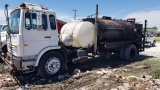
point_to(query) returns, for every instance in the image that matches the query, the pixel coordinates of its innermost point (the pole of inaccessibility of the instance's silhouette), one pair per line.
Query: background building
(153, 31)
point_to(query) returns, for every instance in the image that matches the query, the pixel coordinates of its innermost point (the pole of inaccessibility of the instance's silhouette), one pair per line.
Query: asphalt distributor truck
(33, 39)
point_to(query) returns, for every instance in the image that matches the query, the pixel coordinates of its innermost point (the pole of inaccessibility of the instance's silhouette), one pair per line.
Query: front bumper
(14, 62)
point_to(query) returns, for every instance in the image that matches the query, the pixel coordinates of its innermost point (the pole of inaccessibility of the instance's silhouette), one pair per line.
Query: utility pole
(75, 13)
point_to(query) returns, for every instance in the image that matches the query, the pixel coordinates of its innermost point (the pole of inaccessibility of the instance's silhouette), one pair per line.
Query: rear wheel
(51, 64)
(130, 52)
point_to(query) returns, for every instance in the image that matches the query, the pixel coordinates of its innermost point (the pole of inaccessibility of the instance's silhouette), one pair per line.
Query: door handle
(47, 37)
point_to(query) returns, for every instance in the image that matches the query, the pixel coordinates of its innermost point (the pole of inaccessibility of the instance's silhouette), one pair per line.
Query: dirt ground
(96, 74)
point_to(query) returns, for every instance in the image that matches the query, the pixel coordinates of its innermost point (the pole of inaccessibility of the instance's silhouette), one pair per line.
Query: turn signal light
(15, 46)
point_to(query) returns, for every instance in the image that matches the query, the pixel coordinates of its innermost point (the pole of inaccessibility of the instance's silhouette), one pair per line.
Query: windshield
(14, 21)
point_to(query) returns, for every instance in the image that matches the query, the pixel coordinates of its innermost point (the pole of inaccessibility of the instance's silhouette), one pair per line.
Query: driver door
(35, 39)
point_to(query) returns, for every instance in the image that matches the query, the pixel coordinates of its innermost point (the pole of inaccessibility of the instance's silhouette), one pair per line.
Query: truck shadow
(113, 62)
(90, 64)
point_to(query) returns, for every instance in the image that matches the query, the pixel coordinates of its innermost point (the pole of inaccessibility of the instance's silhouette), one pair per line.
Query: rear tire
(130, 52)
(51, 64)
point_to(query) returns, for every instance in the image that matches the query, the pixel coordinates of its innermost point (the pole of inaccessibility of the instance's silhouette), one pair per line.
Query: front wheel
(51, 64)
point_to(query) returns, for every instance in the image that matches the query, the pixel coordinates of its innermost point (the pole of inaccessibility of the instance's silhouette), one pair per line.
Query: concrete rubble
(145, 82)
(6, 80)
(76, 72)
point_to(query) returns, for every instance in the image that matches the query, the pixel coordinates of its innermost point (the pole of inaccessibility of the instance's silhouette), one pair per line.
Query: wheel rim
(52, 65)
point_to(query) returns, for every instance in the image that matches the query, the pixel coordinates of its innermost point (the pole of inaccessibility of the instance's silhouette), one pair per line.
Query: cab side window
(34, 20)
(52, 22)
(30, 21)
(44, 22)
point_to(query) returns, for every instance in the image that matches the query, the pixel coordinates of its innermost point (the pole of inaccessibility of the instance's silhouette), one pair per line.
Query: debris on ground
(141, 74)
(6, 80)
(76, 72)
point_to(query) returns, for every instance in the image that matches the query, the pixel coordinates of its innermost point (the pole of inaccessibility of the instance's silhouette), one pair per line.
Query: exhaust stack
(96, 30)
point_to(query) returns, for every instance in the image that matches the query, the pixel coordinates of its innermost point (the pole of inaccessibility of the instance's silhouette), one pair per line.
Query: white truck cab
(32, 28)
(150, 40)
(33, 34)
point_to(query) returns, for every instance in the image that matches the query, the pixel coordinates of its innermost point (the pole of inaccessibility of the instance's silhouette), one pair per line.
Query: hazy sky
(120, 9)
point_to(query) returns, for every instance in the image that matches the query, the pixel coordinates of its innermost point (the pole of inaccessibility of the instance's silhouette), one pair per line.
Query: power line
(74, 10)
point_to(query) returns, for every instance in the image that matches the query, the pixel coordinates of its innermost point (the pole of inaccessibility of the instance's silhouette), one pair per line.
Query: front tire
(51, 64)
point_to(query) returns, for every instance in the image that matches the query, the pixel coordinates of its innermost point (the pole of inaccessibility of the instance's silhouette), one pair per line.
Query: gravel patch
(152, 51)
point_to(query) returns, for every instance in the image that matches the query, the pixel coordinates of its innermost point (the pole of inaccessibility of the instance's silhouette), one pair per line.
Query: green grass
(158, 39)
(152, 67)
(130, 73)
(151, 62)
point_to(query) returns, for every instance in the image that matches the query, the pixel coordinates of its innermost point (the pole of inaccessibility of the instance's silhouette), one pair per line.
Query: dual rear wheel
(128, 53)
